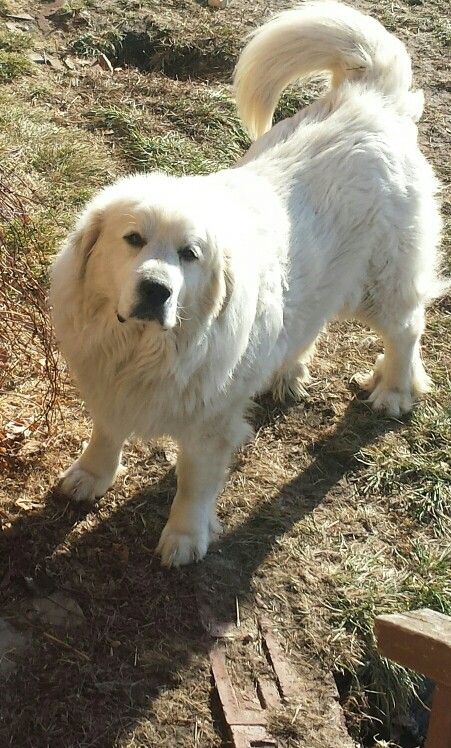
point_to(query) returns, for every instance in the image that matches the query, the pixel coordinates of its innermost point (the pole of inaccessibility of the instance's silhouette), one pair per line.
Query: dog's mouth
(145, 316)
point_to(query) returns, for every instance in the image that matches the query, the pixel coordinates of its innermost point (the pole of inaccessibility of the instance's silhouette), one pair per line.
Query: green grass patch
(294, 99)
(12, 65)
(91, 44)
(171, 152)
(442, 31)
(209, 117)
(59, 167)
(416, 463)
(179, 149)
(11, 41)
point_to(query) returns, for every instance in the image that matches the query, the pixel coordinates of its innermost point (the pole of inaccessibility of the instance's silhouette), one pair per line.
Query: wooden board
(420, 640)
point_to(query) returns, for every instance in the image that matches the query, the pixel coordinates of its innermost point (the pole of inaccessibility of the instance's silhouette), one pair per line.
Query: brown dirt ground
(136, 671)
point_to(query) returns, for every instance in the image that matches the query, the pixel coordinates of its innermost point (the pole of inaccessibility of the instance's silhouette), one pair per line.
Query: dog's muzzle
(152, 298)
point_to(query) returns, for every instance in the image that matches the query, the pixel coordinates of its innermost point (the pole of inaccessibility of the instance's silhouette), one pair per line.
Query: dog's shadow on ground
(333, 458)
(141, 632)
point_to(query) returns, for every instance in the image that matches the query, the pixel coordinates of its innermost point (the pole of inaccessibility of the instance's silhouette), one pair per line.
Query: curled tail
(320, 37)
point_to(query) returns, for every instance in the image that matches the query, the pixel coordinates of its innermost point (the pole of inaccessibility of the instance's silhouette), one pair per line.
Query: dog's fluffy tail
(320, 37)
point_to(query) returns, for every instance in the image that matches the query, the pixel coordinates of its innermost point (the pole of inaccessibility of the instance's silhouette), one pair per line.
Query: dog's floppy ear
(221, 288)
(227, 275)
(84, 236)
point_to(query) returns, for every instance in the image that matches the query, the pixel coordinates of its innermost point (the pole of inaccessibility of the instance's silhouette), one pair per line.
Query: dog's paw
(366, 380)
(178, 547)
(181, 548)
(383, 396)
(392, 402)
(289, 385)
(369, 380)
(80, 485)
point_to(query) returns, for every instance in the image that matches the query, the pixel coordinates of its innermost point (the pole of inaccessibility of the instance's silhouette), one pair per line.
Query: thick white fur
(314, 38)
(331, 213)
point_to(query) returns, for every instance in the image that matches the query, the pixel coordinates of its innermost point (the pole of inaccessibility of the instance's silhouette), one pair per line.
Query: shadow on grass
(141, 638)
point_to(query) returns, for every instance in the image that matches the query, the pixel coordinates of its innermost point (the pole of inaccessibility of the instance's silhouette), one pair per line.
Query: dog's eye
(135, 240)
(188, 253)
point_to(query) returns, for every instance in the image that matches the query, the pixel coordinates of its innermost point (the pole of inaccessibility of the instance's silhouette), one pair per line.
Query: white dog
(176, 300)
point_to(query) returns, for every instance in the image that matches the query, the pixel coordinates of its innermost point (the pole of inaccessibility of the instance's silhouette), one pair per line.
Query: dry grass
(28, 348)
(333, 514)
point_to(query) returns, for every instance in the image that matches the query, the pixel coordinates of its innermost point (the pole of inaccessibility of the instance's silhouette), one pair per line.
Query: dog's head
(143, 247)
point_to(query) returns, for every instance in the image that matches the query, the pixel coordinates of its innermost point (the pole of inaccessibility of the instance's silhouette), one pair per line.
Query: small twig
(67, 646)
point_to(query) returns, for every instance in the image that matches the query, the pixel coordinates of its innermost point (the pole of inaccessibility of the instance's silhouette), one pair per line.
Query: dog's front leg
(94, 471)
(201, 472)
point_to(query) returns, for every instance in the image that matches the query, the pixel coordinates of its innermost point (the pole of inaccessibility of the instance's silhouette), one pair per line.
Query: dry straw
(29, 368)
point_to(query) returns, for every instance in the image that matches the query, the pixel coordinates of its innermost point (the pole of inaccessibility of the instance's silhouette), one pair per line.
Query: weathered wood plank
(303, 687)
(268, 693)
(234, 711)
(439, 731)
(285, 674)
(420, 640)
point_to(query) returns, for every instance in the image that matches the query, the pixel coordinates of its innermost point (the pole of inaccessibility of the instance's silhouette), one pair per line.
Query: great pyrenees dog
(176, 300)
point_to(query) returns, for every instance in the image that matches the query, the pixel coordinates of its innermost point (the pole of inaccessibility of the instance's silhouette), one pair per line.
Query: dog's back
(369, 102)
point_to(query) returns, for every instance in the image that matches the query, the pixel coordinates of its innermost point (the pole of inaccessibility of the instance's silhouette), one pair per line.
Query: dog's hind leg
(399, 375)
(290, 380)
(92, 474)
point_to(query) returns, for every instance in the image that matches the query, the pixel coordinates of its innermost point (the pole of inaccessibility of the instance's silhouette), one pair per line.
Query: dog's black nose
(154, 293)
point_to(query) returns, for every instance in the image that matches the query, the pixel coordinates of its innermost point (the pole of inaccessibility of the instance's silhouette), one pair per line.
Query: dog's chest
(147, 387)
